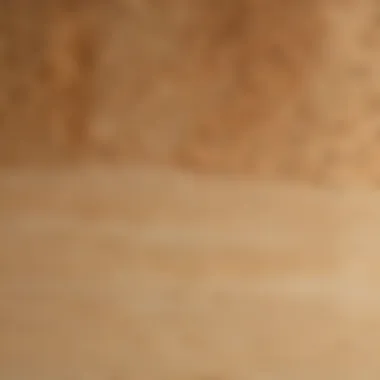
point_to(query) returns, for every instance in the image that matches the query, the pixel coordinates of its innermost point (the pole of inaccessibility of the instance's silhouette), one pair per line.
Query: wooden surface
(135, 273)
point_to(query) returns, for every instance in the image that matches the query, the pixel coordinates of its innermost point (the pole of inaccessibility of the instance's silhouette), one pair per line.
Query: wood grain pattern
(133, 273)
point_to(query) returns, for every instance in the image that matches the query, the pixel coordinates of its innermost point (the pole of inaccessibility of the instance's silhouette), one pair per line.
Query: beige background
(188, 189)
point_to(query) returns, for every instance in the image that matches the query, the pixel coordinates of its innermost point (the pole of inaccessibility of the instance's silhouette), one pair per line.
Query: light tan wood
(133, 273)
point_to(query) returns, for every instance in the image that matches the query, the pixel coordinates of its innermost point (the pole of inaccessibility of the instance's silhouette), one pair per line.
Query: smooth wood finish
(134, 273)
